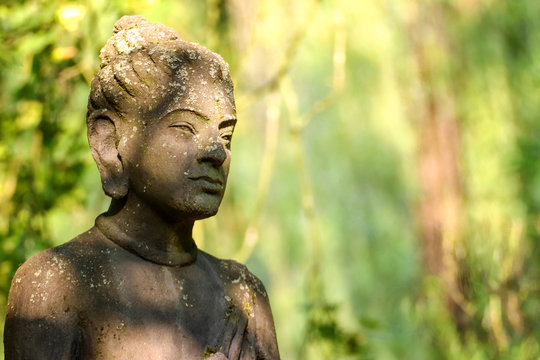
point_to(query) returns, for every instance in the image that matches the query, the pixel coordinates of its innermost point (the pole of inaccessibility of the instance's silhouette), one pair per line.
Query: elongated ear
(103, 138)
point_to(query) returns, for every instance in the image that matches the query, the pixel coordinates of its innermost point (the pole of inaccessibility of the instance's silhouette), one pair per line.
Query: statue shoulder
(40, 306)
(232, 272)
(47, 277)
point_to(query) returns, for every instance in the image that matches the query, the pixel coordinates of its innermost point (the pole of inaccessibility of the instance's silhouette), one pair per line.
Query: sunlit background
(385, 183)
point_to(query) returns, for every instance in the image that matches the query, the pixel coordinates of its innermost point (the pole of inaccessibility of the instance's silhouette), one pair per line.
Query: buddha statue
(161, 115)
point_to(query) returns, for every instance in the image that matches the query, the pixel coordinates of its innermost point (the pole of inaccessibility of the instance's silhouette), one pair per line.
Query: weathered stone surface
(160, 119)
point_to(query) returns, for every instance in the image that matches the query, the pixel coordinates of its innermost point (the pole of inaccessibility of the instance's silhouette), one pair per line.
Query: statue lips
(213, 185)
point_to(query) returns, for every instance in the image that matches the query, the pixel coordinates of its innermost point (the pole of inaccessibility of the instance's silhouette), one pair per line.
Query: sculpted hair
(145, 66)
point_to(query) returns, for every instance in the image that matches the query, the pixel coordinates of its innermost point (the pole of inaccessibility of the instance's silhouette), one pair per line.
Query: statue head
(160, 119)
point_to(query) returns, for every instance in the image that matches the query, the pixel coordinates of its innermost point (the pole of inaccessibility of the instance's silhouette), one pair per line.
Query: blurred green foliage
(325, 185)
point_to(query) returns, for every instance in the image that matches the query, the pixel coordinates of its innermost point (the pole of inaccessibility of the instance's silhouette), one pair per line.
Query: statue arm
(258, 341)
(40, 324)
(265, 333)
(249, 297)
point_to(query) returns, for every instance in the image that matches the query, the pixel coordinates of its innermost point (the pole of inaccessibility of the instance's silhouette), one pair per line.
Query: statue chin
(197, 207)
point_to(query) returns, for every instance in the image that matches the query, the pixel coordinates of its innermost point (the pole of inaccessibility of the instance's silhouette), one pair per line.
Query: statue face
(179, 163)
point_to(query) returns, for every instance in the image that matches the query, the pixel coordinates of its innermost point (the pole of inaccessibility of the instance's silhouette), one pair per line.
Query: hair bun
(128, 21)
(131, 33)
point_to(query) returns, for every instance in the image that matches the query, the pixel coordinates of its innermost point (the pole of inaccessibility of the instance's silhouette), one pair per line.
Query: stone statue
(160, 119)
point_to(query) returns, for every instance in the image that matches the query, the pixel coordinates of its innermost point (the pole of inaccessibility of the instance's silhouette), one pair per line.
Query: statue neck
(142, 231)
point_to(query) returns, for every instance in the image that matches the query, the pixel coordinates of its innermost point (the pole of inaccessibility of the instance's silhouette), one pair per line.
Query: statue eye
(226, 138)
(185, 127)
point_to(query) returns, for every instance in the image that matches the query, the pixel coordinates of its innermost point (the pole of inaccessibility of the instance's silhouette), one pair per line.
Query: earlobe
(104, 139)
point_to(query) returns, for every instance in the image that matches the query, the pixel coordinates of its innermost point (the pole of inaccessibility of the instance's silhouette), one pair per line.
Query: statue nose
(212, 152)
